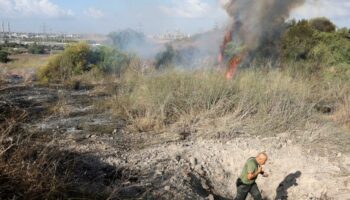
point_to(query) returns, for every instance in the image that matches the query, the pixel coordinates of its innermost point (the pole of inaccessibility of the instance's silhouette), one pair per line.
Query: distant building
(176, 35)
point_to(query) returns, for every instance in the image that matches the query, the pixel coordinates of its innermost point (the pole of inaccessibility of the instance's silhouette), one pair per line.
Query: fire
(251, 26)
(234, 61)
(232, 66)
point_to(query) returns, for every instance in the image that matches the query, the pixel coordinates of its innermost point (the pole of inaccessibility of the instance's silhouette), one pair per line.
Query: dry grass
(32, 166)
(342, 114)
(19, 174)
(26, 61)
(271, 100)
(2, 76)
(22, 65)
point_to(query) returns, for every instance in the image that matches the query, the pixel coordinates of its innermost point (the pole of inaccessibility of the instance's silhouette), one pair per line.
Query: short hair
(263, 153)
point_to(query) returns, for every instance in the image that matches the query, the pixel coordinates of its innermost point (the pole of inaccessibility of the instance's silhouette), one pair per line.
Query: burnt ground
(99, 159)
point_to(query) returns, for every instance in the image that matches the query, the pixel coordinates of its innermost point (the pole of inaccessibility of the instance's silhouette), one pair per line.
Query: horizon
(148, 16)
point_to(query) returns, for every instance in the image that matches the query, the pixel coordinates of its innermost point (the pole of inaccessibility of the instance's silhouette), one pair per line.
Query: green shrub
(73, 61)
(110, 60)
(4, 56)
(36, 49)
(330, 49)
(315, 46)
(80, 58)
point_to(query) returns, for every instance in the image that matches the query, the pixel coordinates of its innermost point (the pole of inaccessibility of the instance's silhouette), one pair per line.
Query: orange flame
(232, 66)
(234, 61)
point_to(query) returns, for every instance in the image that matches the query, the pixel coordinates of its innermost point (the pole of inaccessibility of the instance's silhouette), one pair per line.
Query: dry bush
(27, 61)
(2, 76)
(267, 99)
(20, 166)
(342, 114)
(10, 118)
(271, 99)
(33, 167)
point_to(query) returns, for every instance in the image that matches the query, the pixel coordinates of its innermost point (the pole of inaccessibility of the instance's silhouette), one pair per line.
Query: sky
(149, 16)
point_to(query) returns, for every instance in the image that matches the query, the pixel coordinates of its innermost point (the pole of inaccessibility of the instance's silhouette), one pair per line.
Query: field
(148, 134)
(26, 61)
(103, 122)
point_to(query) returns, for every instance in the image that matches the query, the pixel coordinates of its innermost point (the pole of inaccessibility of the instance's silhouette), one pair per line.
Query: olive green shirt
(251, 166)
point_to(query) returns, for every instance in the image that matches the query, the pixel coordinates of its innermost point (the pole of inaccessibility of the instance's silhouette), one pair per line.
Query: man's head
(261, 158)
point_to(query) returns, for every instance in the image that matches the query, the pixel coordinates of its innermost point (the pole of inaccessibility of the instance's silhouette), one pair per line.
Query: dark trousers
(244, 189)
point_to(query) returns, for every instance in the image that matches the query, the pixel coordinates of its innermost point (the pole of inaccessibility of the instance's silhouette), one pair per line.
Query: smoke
(255, 22)
(134, 42)
(198, 51)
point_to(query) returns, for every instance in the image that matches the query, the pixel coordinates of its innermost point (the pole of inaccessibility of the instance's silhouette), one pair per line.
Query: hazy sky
(150, 16)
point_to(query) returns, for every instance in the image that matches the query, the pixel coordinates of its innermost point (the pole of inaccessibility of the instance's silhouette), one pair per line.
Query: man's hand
(256, 173)
(265, 175)
(262, 172)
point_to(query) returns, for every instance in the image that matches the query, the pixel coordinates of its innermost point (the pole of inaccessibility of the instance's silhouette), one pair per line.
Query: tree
(322, 24)
(316, 42)
(127, 39)
(297, 41)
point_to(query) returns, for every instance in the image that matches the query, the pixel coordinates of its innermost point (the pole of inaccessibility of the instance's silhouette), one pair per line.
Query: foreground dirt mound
(198, 162)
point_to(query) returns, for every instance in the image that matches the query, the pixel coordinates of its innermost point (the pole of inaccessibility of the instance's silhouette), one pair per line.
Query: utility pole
(44, 33)
(44, 29)
(9, 29)
(3, 29)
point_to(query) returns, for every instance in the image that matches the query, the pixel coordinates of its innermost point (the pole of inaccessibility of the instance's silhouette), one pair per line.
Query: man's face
(261, 160)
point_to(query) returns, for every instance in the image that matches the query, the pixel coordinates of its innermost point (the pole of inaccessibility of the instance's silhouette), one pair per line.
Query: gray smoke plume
(256, 21)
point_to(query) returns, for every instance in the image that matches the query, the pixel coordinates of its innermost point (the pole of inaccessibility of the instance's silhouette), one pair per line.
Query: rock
(167, 188)
(193, 161)
(279, 146)
(185, 171)
(178, 158)
(9, 139)
(93, 136)
(210, 197)
(199, 170)
(158, 173)
(204, 184)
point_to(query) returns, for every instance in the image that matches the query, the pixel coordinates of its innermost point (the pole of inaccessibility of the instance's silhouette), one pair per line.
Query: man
(246, 181)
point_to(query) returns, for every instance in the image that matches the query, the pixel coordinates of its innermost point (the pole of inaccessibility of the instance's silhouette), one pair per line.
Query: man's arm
(252, 175)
